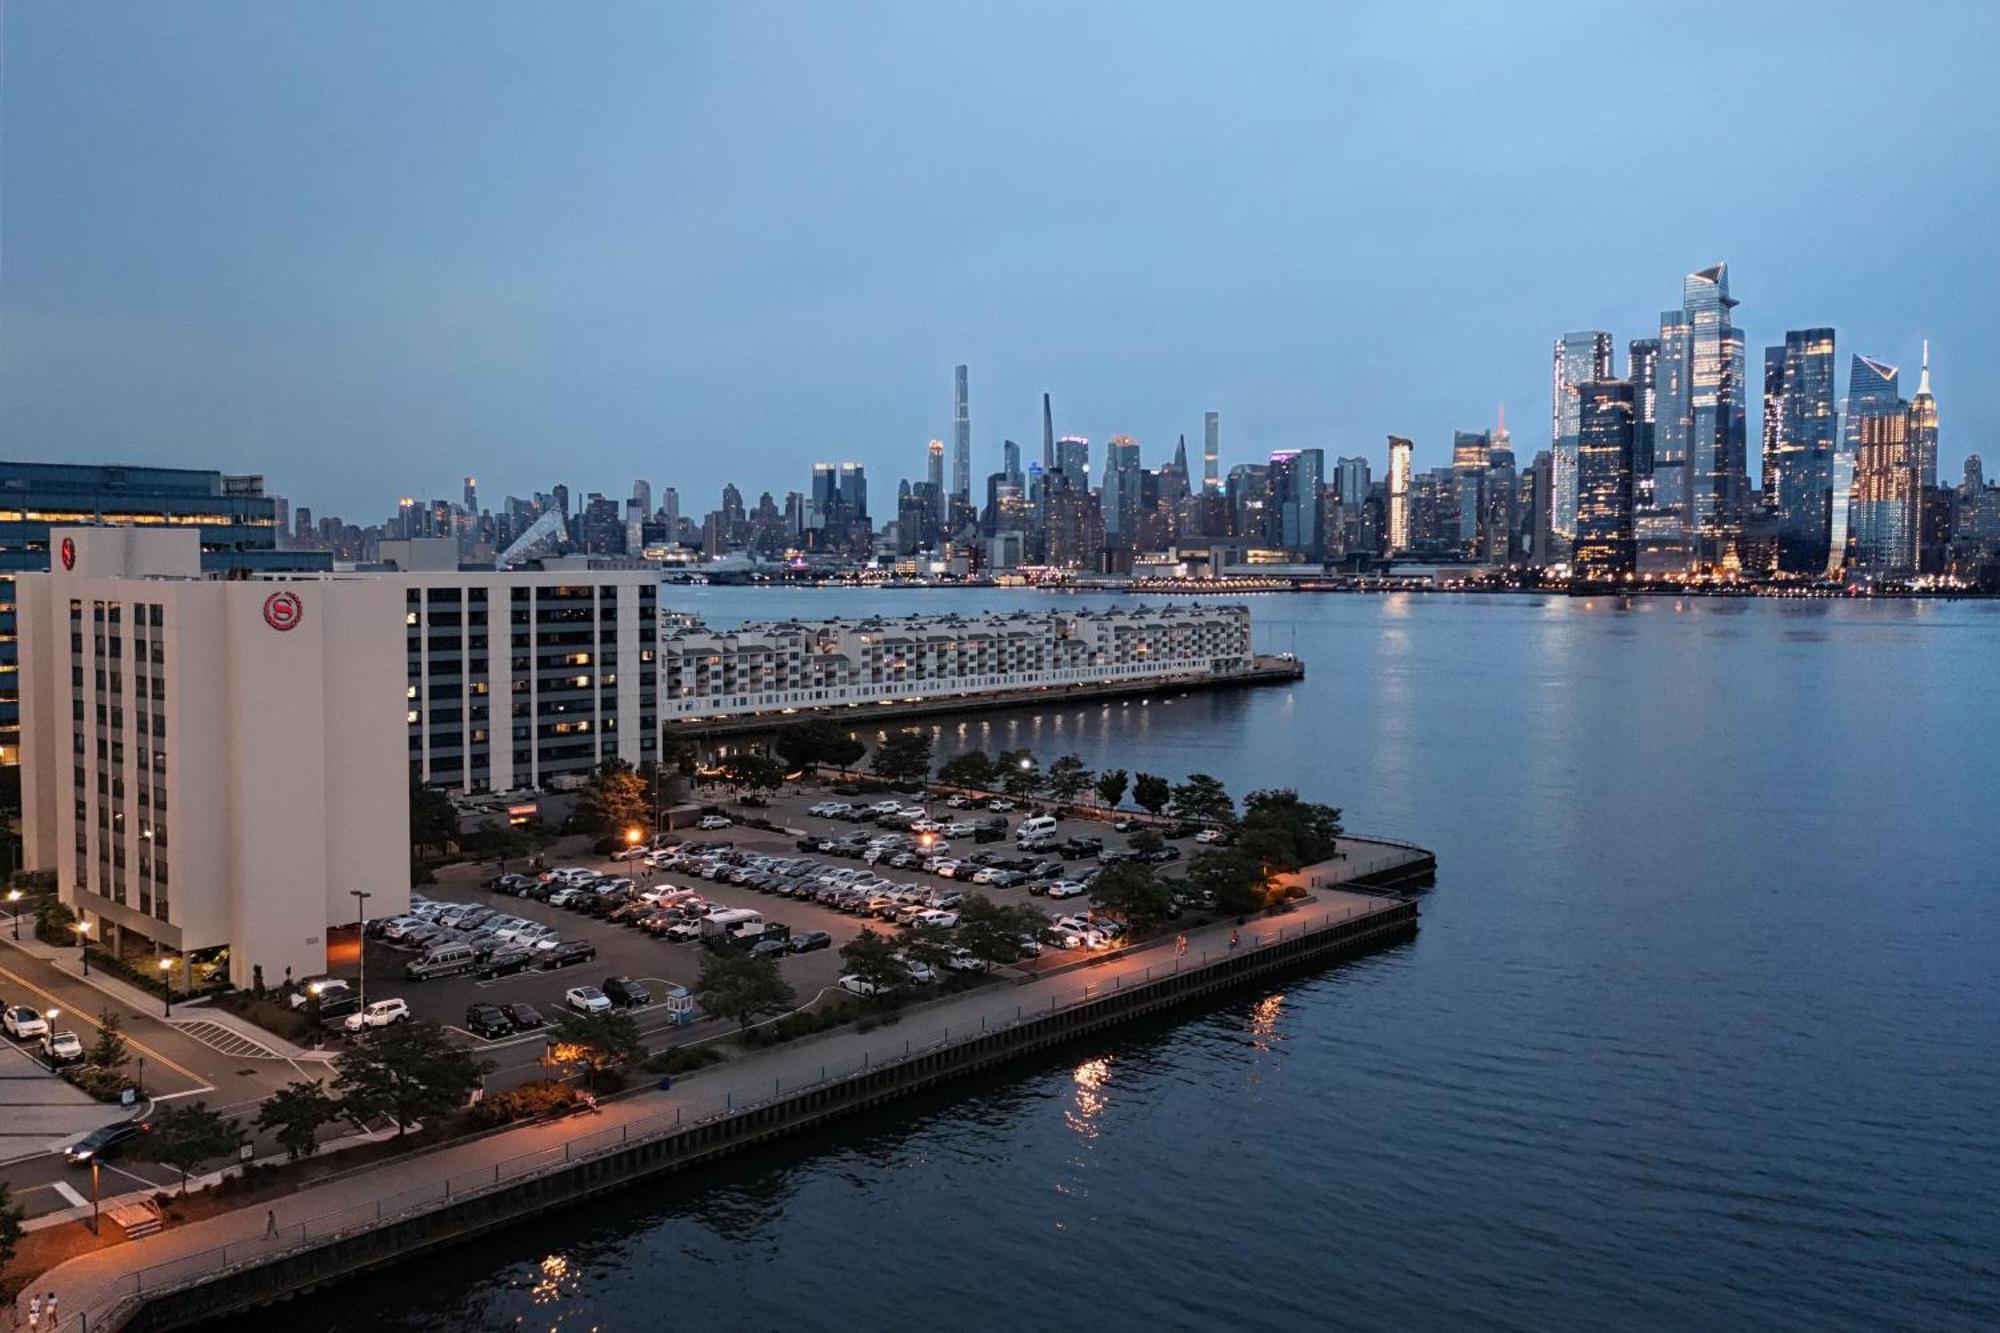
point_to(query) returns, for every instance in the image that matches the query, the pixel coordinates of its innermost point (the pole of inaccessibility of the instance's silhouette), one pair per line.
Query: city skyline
(407, 316)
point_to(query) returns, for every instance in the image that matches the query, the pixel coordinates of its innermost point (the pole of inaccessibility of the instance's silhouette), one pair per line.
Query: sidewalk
(91, 1283)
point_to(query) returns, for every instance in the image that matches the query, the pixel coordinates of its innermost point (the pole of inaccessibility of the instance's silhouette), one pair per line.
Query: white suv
(379, 1014)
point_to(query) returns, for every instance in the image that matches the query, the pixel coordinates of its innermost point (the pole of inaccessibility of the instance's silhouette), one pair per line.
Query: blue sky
(368, 248)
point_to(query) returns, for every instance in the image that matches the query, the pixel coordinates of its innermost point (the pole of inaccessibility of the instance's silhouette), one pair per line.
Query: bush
(530, 1101)
(421, 874)
(681, 1059)
(803, 1024)
(103, 1084)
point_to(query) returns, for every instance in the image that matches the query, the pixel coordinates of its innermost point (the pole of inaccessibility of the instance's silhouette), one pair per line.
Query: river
(1699, 1032)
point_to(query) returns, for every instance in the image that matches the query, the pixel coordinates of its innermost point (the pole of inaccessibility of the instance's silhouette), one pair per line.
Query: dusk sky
(365, 249)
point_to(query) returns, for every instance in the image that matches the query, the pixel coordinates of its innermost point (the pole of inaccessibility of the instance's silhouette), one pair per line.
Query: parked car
(62, 1048)
(855, 985)
(507, 960)
(1211, 835)
(379, 1014)
(768, 949)
(919, 972)
(626, 992)
(714, 822)
(523, 1016)
(807, 940)
(964, 960)
(686, 930)
(587, 1000)
(487, 1020)
(568, 953)
(105, 1142)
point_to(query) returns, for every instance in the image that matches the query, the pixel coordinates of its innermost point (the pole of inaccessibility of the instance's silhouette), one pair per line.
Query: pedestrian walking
(270, 1224)
(1180, 944)
(34, 1311)
(49, 1309)
(1234, 939)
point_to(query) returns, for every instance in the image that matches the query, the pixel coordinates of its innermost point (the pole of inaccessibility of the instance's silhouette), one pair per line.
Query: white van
(1036, 827)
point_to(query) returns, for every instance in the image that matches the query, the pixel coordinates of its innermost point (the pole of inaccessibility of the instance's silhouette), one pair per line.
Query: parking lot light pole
(83, 944)
(361, 897)
(14, 910)
(167, 976)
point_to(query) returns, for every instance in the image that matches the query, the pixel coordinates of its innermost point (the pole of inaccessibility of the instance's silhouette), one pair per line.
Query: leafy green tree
(407, 1071)
(1286, 833)
(1111, 786)
(1234, 876)
(494, 841)
(614, 800)
(1202, 798)
(1068, 777)
(972, 769)
(992, 931)
(902, 756)
(1151, 792)
(184, 1135)
(927, 944)
(296, 1113)
(109, 1051)
(433, 818)
(1147, 840)
(678, 755)
(806, 745)
(1129, 891)
(753, 772)
(10, 1224)
(738, 986)
(872, 957)
(599, 1044)
(1018, 774)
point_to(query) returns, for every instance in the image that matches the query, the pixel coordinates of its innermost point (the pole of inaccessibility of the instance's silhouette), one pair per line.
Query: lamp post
(167, 976)
(361, 898)
(14, 910)
(83, 944)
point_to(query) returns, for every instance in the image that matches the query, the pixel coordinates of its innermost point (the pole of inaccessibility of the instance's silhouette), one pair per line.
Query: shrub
(103, 1084)
(273, 1016)
(681, 1059)
(541, 1098)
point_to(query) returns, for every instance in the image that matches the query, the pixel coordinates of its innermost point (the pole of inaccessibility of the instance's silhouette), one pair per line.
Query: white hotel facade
(213, 764)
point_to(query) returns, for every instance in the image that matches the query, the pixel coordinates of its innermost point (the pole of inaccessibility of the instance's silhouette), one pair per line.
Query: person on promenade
(35, 1311)
(270, 1224)
(49, 1308)
(1180, 945)
(1234, 938)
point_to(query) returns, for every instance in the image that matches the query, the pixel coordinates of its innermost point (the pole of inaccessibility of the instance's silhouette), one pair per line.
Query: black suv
(486, 1020)
(626, 992)
(568, 952)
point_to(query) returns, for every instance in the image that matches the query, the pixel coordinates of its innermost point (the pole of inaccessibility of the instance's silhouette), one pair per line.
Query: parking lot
(936, 850)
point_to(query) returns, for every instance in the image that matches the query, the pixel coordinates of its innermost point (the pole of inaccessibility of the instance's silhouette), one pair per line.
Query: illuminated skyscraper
(1121, 489)
(1605, 550)
(1643, 358)
(1872, 391)
(961, 437)
(1469, 450)
(1400, 451)
(1297, 476)
(1073, 459)
(1211, 453)
(1579, 358)
(1718, 466)
(934, 472)
(1924, 426)
(1800, 428)
(1883, 510)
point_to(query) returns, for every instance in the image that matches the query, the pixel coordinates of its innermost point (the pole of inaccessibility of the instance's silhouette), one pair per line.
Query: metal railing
(691, 1111)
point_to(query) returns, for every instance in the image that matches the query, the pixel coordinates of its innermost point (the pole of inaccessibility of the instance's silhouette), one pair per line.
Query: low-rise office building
(793, 666)
(207, 763)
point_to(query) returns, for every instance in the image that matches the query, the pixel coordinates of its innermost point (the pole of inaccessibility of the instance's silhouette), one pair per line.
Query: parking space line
(68, 1191)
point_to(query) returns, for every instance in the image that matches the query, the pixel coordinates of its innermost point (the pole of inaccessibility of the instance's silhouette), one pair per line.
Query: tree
(494, 841)
(185, 1135)
(1111, 787)
(806, 745)
(1204, 799)
(1129, 891)
(738, 986)
(928, 944)
(992, 931)
(55, 923)
(599, 1044)
(872, 957)
(1067, 777)
(433, 818)
(109, 1051)
(407, 1071)
(902, 756)
(1151, 792)
(753, 772)
(1017, 773)
(1235, 877)
(296, 1113)
(614, 800)
(972, 769)
(1146, 841)
(1286, 833)
(677, 756)
(10, 1223)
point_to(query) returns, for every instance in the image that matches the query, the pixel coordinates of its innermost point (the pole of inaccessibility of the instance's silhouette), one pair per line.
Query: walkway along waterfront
(391, 1212)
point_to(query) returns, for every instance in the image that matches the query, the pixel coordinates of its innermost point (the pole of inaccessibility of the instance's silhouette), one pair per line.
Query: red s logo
(68, 551)
(283, 611)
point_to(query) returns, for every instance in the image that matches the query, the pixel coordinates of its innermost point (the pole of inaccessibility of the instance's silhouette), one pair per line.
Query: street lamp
(14, 910)
(83, 944)
(361, 898)
(167, 976)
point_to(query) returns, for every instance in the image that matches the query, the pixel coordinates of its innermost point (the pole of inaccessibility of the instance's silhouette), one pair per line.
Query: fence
(823, 1065)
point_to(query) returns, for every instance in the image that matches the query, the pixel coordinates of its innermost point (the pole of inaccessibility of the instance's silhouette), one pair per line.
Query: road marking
(70, 1196)
(91, 1023)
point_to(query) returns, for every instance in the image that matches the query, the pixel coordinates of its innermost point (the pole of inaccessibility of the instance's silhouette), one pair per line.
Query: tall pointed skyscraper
(961, 437)
(1873, 393)
(1048, 436)
(1924, 426)
(1718, 462)
(1579, 358)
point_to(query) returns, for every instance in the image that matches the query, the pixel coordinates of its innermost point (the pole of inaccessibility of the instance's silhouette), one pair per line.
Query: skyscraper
(1010, 462)
(1800, 427)
(1872, 391)
(1664, 546)
(961, 437)
(1579, 358)
(934, 473)
(1643, 369)
(1073, 459)
(1400, 451)
(1924, 426)
(1718, 466)
(1882, 502)
(1048, 436)
(1469, 451)
(1121, 489)
(1211, 453)
(472, 495)
(1297, 477)
(1605, 550)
